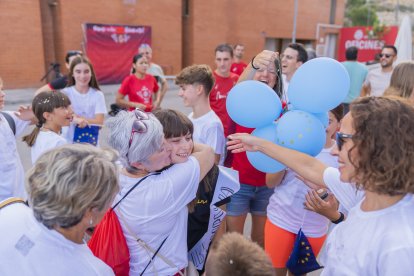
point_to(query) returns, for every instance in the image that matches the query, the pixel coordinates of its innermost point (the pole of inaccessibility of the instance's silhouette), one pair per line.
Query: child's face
(333, 126)
(189, 93)
(141, 66)
(2, 95)
(61, 116)
(82, 74)
(181, 148)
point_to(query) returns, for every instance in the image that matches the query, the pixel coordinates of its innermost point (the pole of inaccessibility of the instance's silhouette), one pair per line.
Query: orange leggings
(279, 244)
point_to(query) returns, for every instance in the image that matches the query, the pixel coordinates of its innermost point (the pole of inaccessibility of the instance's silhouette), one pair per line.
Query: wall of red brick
(27, 49)
(163, 16)
(21, 46)
(250, 22)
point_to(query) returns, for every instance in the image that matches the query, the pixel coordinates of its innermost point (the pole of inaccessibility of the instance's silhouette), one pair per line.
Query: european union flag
(302, 260)
(87, 134)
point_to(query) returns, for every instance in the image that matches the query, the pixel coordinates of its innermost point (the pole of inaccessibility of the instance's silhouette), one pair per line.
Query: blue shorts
(249, 199)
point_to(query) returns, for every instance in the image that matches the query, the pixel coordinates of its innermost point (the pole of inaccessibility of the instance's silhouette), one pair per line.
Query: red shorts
(279, 244)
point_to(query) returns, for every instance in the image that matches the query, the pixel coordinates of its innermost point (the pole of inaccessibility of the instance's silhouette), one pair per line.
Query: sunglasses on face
(340, 139)
(138, 126)
(386, 55)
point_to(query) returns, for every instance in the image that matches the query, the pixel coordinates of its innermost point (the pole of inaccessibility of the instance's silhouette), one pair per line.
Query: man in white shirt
(292, 58)
(154, 69)
(379, 79)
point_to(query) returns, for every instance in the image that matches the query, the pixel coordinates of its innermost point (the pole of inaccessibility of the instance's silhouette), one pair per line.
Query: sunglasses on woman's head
(138, 126)
(340, 139)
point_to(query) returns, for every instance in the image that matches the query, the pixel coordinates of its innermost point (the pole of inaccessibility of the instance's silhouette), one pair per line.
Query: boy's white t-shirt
(86, 105)
(286, 210)
(46, 140)
(157, 209)
(11, 168)
(209, 130)
(373, 243)
(29, 248)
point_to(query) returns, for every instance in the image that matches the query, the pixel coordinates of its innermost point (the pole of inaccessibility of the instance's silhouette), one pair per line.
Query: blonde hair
(69, 180)
(235, 255)
(402, 80)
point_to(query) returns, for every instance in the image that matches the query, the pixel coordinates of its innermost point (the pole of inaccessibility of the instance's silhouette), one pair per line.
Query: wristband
(252, 62)
(341, 218)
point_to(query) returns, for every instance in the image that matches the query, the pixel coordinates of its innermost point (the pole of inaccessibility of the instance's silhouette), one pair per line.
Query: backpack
(10, 121)
(108, 242)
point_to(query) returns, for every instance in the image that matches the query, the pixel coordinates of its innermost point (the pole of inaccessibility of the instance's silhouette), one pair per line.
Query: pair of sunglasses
(340, 139)
(138, 126)
(385, 55)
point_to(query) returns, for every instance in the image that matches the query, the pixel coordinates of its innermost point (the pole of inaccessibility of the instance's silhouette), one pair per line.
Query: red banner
(367, 47)
(112, 47)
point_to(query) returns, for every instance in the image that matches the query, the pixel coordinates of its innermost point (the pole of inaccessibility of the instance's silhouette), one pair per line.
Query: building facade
(37, 33)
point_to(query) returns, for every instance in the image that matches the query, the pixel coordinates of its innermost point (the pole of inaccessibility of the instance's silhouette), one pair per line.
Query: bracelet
(252, 62)
(341, 218)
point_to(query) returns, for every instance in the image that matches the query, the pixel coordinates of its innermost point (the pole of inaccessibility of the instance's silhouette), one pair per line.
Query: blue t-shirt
(357, 73)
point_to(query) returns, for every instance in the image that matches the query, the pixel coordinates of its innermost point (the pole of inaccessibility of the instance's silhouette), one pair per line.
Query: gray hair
(143, 145)
(144, 46)
(67, 181)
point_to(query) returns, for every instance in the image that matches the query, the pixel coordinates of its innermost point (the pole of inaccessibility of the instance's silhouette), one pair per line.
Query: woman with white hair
(154, 215)
(70, 188)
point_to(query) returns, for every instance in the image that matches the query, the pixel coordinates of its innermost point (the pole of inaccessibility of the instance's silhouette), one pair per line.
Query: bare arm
(44, 88)
(164, 88)
(262, 61)
(274, 179)
(304, 165)
(120, 100)
(205, 157)
(365, 90)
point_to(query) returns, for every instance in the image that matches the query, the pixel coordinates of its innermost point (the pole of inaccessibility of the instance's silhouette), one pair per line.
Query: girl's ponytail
(30, 139)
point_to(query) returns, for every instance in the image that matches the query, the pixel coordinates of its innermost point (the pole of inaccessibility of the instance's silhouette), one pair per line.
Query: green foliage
(359, 13)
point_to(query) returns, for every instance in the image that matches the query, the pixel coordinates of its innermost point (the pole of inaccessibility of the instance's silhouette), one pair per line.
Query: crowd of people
(177, 183)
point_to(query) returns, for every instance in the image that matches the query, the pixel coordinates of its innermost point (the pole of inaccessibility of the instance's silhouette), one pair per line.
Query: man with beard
(379, 79)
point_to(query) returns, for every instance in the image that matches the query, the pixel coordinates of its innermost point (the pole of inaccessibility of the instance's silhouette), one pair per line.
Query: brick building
(38, 32)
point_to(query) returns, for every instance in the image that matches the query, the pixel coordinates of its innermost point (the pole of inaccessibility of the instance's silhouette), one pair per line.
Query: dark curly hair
(384, 143)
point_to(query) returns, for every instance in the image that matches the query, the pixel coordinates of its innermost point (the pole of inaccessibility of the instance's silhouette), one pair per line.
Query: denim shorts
(249, 199)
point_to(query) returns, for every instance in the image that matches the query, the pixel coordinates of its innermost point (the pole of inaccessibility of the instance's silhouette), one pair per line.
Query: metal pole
(295, 14)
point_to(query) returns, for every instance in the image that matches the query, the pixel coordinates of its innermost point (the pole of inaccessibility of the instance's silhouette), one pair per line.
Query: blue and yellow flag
(88, 134)
(302, 260)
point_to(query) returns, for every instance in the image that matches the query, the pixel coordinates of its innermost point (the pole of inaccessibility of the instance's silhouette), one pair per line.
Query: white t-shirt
(155, 210)
(87, 105)
(46, 140)
(29, 248)
(346, 193)
(11, 168)
(378, 80)
(286, 210)
(373, 243)
(209, 130)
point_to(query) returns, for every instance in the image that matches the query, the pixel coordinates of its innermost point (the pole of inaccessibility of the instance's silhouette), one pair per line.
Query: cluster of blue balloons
(317, 86)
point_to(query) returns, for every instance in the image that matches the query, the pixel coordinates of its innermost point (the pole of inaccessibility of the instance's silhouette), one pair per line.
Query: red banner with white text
(368, 45)
(112, 47)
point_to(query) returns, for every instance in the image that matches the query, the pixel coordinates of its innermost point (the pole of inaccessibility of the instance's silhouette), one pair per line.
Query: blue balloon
(261, 161)
(319, 85)
(301, 131)
(253, 104)
(323, 117)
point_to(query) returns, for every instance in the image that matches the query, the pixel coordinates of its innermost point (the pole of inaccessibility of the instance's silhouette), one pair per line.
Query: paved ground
(17, 97)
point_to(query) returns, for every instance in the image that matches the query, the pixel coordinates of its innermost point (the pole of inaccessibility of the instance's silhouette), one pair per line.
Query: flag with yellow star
(88, 134)
(302, 260)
